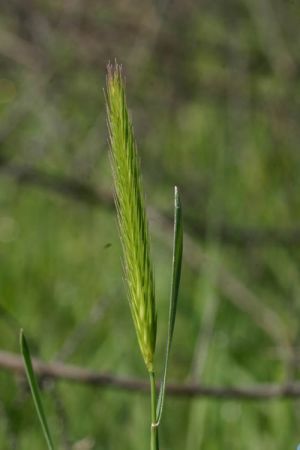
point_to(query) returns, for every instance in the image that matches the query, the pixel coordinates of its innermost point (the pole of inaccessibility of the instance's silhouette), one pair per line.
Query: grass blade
(35, 390)
(176, 272)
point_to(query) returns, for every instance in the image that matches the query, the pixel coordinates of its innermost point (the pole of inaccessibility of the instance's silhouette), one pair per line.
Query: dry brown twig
(64, 372)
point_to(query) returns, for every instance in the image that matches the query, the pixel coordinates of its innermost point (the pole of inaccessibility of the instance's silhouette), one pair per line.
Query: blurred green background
(214, 91)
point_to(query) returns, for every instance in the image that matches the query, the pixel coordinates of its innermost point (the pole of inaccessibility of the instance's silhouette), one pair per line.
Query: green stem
(154, 427)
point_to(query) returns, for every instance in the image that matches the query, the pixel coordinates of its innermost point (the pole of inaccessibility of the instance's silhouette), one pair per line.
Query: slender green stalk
(154, 424)
(133, 228)
(176, 271)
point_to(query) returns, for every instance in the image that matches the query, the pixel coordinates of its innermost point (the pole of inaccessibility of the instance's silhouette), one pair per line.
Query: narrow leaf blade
(176, 273)
(35, 390)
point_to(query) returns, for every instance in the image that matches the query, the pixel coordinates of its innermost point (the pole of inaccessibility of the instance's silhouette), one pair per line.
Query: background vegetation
(214, 91)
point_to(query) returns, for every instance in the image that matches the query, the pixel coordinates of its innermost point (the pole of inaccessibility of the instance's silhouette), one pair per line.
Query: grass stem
(154, 426)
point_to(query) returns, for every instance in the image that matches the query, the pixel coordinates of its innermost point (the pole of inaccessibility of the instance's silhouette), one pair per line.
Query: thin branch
(57, 371)
(86, 193)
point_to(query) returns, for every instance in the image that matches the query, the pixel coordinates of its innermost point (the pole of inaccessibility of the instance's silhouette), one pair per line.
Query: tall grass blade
(35, 390)
(176, 272)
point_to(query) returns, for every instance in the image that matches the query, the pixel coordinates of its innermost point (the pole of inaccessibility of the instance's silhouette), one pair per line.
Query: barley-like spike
(132, 220)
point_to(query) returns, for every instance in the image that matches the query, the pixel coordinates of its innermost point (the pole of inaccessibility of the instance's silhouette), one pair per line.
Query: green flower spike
(133, 227)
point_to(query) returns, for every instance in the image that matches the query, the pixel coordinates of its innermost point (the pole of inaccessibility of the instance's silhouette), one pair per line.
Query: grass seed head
(133, 227)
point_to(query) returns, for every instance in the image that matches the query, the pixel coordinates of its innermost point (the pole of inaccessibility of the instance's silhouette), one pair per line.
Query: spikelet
(133, 227)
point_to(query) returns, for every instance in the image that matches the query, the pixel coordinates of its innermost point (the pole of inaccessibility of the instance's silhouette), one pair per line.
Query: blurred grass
(214, 92)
